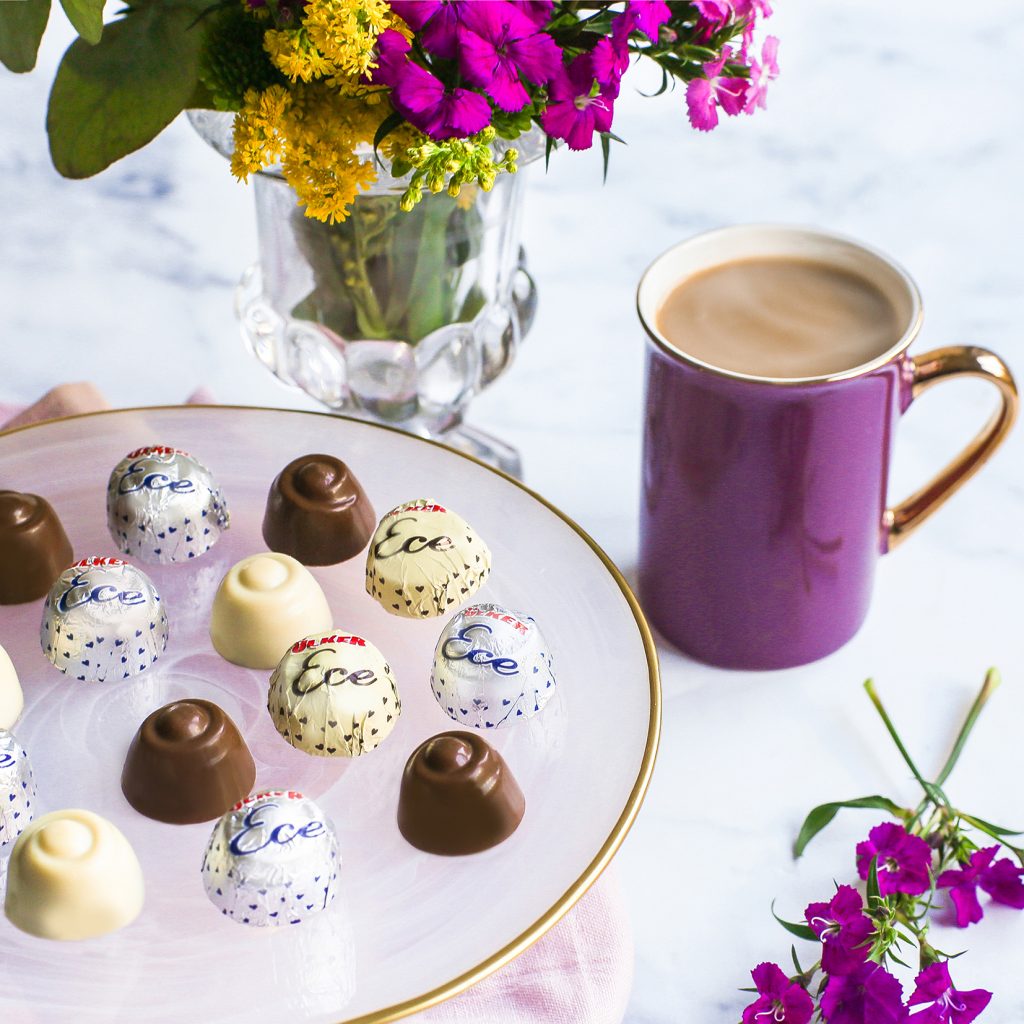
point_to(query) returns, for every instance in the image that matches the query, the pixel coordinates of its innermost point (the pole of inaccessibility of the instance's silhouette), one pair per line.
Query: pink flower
(580, 105)
(538, 11)
(1001, 880)
(497, 43)
(436, 23)
(422, 99)
(645, 16)
(779, 1000)
(903, 860)
(705, 95)
(608, 63)
(844, 930)
(871, 995)
(942, 1003)
(762, 72)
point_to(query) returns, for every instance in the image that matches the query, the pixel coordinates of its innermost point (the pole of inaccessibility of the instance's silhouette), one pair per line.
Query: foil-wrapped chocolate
(103, 620)
(333, 695)
(17, 789)
(164, 506)
(11, 698)
(492, 667)
(424, 560)
(272, 859)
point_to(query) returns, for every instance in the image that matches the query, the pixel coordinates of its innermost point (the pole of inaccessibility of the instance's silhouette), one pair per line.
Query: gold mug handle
(929, 369)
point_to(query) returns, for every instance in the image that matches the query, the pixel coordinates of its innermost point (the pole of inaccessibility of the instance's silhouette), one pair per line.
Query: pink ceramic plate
(409, 929)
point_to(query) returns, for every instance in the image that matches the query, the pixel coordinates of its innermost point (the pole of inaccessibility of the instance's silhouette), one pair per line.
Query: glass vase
(392, 316)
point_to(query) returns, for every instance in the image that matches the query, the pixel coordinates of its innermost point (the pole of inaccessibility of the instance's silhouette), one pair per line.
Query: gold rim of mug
(593, 871)
(906, 339)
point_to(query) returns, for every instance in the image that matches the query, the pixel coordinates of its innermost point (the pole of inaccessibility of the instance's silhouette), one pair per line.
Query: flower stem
(933, 792)
(991, 684)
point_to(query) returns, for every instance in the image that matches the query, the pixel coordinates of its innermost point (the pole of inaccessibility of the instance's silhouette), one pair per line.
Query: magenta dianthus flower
(871, 995)
(436, 22)
(779, 1000)
(645, 16)
(903, 860)
(942, 1003)
(538, 11)
(497, 44)
(844, 930)
(762, 72)
(705, 95)
(573, 113)
(1002, 880)
(609, 64)
(422, 98)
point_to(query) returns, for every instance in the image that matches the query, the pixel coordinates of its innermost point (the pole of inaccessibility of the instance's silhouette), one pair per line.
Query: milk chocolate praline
(458, 796)
(33, 547)
(317, 512)
(187, 763)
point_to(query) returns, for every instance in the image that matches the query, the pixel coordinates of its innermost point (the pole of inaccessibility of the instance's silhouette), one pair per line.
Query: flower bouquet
(382, 130)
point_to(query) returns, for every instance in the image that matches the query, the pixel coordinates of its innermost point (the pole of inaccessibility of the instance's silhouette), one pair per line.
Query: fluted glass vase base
(367, 380)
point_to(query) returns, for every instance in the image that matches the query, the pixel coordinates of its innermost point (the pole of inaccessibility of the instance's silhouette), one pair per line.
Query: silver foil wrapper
(17, 789)
(492, 667)
(272, 860)
(164, 506)
(103, 620)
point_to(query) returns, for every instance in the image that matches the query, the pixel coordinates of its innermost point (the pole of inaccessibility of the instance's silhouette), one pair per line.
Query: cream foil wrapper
(425, 560)
(333, 695)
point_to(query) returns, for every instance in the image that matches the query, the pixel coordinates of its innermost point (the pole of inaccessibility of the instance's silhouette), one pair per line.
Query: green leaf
(873, 892)
(387, 126)
(796, 960)
(987, 826)
(112, 98)
(86, 16)
(824, 813)
(22, 24)
(801, 931)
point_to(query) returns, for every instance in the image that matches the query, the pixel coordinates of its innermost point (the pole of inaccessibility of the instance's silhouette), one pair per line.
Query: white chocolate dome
(73, 875)
(263, 605)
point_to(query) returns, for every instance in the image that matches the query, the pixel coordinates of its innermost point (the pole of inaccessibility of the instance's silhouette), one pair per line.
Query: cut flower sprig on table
(932, 856)
(328, 90)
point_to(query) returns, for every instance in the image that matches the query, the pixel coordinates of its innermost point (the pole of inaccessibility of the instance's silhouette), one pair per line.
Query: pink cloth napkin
(580, 972)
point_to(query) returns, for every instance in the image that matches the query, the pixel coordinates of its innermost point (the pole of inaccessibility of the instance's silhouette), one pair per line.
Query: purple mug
(763, 506)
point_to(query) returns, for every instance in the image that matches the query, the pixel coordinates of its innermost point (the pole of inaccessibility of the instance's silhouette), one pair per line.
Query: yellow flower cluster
(335, 40)
(320, 137)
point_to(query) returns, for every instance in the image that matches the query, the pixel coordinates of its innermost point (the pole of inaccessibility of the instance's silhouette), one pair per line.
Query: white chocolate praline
(425, 560)
(103, 620)
(263, 605)
(73, 875)
(333, 695)
(11, 698)
(492, 667)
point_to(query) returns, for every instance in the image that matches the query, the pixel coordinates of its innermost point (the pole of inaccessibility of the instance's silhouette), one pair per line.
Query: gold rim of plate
(636, 797)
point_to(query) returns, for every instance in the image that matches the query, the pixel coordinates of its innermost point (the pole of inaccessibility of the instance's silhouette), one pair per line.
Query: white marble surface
(895, 123)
